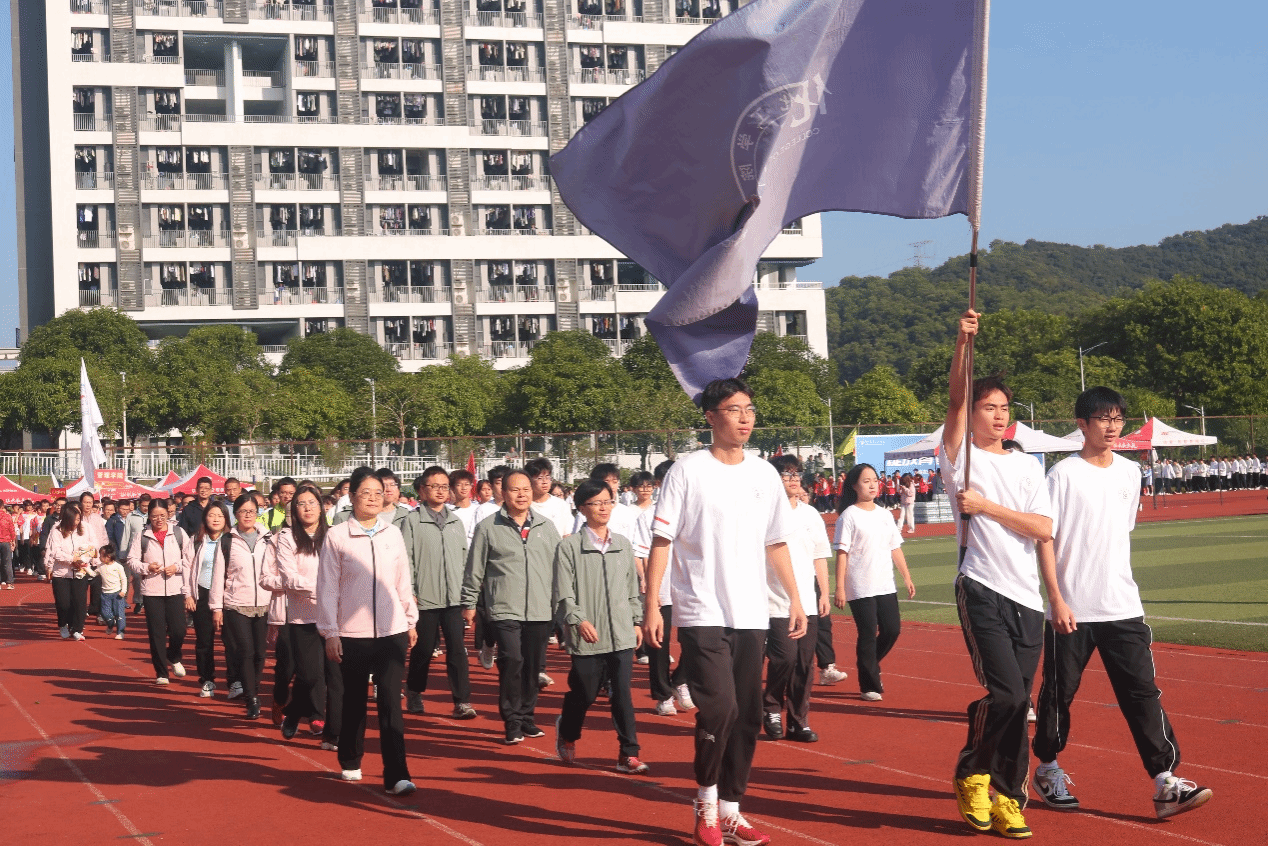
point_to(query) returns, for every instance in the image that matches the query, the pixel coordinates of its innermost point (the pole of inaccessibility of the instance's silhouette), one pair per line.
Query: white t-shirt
(998, 557)
(1095, 512)
(469, 517)
(869, 538)
(807, 545)
(485, 509)
(721, 517)
(642, 541)
(556, 511)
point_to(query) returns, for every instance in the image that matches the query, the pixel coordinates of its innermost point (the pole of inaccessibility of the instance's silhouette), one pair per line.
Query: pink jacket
(296, 574)
(95, 525)
(236, 583)
(166, 553)
(364, 583)
(60, 552)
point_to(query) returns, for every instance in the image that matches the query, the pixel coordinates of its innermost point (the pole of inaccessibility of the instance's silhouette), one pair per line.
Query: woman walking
(69, 554)
(907, 503)
(200, 565)
(367, 615)
(156, 558)
(239, 603)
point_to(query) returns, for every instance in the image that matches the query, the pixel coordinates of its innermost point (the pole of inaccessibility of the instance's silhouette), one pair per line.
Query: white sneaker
(544, 680)
(78, 636)
(351, 775)
(1178, 795)
(119, 636)
(178, 670)
(1050, 784)
(161, 680)
(642, 659)
(402, 788)
(64, 631)
(554, 641)
(831, 675)
(486, 657)
(666, 708)
(871, 696)
(206, 690)
(682, 698)
(438, 653)
(1030, 715)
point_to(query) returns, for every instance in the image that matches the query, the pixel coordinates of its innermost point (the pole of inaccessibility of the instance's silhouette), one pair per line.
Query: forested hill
(874, 320)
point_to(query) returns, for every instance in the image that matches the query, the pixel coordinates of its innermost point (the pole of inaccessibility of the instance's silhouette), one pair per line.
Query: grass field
(1201, 581)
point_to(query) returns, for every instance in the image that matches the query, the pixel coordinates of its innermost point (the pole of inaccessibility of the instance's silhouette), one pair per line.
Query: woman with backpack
(156, 558)
(239, 603)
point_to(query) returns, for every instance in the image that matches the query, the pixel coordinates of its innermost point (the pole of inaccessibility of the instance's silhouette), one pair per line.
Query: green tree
(47, 390)
(310, 407)
(346, 356)
(571, 384)
(201, 373)
(878, 396)
(463, 397)
(656, 408)
(103, 337)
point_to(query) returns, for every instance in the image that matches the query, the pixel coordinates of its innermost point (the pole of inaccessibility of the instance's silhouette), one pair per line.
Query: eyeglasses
(739, 410)
(369, 494)
(647, 485)
(789, 476)
(437, 487)
(597, 503)
(1110, 421)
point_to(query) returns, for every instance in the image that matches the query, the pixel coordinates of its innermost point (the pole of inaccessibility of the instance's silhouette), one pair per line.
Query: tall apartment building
(291, 166)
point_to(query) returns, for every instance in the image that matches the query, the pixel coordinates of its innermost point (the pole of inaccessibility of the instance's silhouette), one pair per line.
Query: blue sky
(1107, 123)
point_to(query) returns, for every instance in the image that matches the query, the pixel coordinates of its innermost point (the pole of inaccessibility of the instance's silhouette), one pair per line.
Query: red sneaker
(631, 764)
(708, 833)
(736, 830)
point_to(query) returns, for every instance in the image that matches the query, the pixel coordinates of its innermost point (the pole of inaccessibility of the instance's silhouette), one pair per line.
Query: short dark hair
(461, 476)
(107, 549)
(600, 472)
(849, 496)
(1097, 401)
(786, 464)
(987, 385)
(498, 473)
(434, 470)
(538, 466)
(358, 478)
(385, 473)
(662, 469)
(202, 479)
(720, 390)
(243, 499)
(642, 477)
(286, 480)
(588, 490)
(233, 479)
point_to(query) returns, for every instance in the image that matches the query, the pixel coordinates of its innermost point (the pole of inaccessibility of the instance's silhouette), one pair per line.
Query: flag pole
(981, 38)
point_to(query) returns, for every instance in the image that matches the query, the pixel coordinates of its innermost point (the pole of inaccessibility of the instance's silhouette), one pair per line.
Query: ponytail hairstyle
(849, 496)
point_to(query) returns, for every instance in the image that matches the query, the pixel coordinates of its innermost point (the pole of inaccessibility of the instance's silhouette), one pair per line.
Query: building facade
(292, 167)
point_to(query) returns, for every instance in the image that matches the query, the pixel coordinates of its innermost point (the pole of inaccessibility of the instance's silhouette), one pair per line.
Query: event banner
(871, 449)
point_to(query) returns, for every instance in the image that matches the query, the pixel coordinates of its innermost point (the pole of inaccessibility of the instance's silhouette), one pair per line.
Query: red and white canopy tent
(125, 489)
(1031, 440)
(1153, 434)
(11, 492)
(187, 483)
(170, 478)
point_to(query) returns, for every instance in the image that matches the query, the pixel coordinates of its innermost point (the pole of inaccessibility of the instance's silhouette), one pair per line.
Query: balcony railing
(89, 7)
(92, 123)
(516, 20)
(89, 297)
(507, 349)
(287, 295)
(288, 119)
(380, 120)
(188, 297)
(530, 231)
(416, 70)
(161, 123)
(186, 181)
(379, 231)
(315, 182)
(511, 183)
(500, 73)
(92, 56)
(262, 79)
(275, 237)
(608, 76)
(95, 240)
(597, 293)
(516, 294)
(422, 182)
(205, 76)
(314, 69)
(391, 15)
(437, 351)
(407, 294)
(404, 70)
(278, 10)
(519, 128)
(188, 238)
(177, 8)
(93, 181)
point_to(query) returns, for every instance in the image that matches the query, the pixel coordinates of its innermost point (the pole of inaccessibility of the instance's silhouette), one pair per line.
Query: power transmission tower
(920, 253)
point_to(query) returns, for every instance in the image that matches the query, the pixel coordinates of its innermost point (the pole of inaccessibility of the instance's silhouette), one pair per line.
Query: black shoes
(253, 707)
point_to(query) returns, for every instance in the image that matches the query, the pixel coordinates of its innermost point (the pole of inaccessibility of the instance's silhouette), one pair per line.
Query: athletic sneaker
(64, 631)
(351, 775)
(119, 636)
(642, 659)
(736, 830)
(565, 749)
(973, 796)
(235, 690)
(404, 787)
(513, 736)
(666, 708)
(414, 702)
(161, 680)
(1178, 795)
(773, 725)
(1050, 784)
(544, 680)
(316, 727)
(708, 832)
(1030, 715)
(1006, 818)
(682, 698)
(530, 729)
(486, 657)
(554, 640)
(871, 696)
(464, 711)
(831, 675)
(327, 746)
(438, 653)
(205, 691)
(78, 636)
(178, 670)
(631, 764)
(290, 727)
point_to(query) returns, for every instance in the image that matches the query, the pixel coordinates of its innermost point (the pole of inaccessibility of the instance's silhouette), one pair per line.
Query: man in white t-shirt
(996, 590)
(790, 664)
(552, 508)
(461, 483)
(726, 519)
(1094, 605)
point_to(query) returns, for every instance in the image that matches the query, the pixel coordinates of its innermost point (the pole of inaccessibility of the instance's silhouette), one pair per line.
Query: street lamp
(1029, 405)
(1201, 410)
(374, 421)
(123, 398)
(1082, 350)
(832, 444)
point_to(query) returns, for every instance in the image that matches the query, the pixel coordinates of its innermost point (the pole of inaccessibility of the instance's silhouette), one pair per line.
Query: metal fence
(573, 453)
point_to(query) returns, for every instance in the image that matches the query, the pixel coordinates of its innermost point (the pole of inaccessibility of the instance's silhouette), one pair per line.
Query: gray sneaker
(207, 688)
(1051, 787)
(235, 690)
(414, 702)
(464, 711)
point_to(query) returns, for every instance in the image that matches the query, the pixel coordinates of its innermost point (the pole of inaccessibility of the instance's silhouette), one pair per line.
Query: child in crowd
(114, 591)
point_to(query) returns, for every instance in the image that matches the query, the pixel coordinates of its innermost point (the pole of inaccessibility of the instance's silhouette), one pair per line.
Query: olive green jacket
(513, 573)
(600, 588)
(437, 558)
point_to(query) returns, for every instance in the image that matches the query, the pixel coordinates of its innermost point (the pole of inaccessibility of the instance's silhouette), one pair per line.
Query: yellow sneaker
(1006, 818)
(973, 796)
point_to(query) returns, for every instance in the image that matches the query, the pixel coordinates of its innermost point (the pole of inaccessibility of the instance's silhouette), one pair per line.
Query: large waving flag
(91, 453)
(782, 109)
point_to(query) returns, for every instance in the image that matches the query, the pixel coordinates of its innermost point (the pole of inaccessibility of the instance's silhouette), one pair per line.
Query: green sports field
(1201, 580)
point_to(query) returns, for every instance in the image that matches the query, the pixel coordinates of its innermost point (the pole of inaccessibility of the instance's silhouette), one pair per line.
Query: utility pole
(123, 397)
(374, 422)
(1082, 350)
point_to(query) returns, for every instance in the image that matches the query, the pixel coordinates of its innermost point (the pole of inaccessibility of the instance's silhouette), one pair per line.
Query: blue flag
(780, 110)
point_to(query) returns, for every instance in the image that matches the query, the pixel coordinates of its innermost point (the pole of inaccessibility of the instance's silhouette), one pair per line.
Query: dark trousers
(94, 596)
(70, 598)
(876, 618)
(1004, 639)
(521, 654)
(6, 563)
(484, 633)
(825, 652)
(384, 658)
(723, 668)
(283, 665)
(166, 623)
(790, 667)
(584, 679)
(249, 636)
(1124, 649)
(662, 680)
(312, 672)
(204, 638)
(446, 622)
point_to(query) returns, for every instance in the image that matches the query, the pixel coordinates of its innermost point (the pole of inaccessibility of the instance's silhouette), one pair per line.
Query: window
(282, 161)
(84, 101)
(81, 42)
(387, 106)
(167, 102)
(312, 161)
(493, 108)
(415, 106)
(494, 163)
(307, 104)
(419, 217)
(165, 44)
(490, 54)
(198, 159)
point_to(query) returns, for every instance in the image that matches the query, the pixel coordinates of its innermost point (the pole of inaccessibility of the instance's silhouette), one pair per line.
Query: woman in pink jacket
(367, 615)
(155, 556)
(70, 551)
(239, 603)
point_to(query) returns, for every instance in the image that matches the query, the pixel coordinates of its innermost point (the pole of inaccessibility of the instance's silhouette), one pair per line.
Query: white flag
(91, 453)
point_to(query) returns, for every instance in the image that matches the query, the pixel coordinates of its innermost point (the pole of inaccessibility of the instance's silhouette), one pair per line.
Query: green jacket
(598, 587)
(513, 573)
(398, 518)
(437, 558)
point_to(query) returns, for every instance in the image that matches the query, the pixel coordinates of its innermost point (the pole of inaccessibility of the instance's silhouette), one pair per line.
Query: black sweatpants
(313, 673)
(166, 622)
(204, 638)
(878, 623)
(249, 635)
(790, 667)
(283, 664)
(70, 598)
(384, 657)
(584, 679)
(723, 668)
(521, 656)
(825, 652)
(448, 623)
(94, 596)
(1124, 649)
(1004, 639)
(663, 681)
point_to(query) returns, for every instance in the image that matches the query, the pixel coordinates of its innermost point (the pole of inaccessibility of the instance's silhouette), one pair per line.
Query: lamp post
(123, 398)
(1029, 405)
(374, 422)
(832, 443)
(1082, 350)
(1201, 410)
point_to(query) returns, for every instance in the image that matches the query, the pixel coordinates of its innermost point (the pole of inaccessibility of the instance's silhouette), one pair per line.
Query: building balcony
(393, 15)
(161, 123)
(188, 297)
(89, 7)
(420, 182)
(396, 120)
(91, 56)
(96, 240)
(494, 350)
(177, 8)
(205, 76)
(437, 351)
(501, 73)
(608, 76)
(94, 181)
(289, 119)
(379, 232)
(92, 123)
(407, 294)
(511, 183)
(302, 181)
(284, 295)
(510, 20)
(314, 70)
(515, 294)
(513, 128)
(262, 79)
(188, 238)
(185, 182)
(403, 70)
(92, 297)
(528, 231)
(280, 10)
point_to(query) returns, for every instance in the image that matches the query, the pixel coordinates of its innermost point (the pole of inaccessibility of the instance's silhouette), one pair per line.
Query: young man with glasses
(727, 520)
(553, 508)
(1094, 605)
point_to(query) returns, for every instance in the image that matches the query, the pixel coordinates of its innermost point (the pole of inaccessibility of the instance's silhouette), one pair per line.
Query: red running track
(91, 751)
